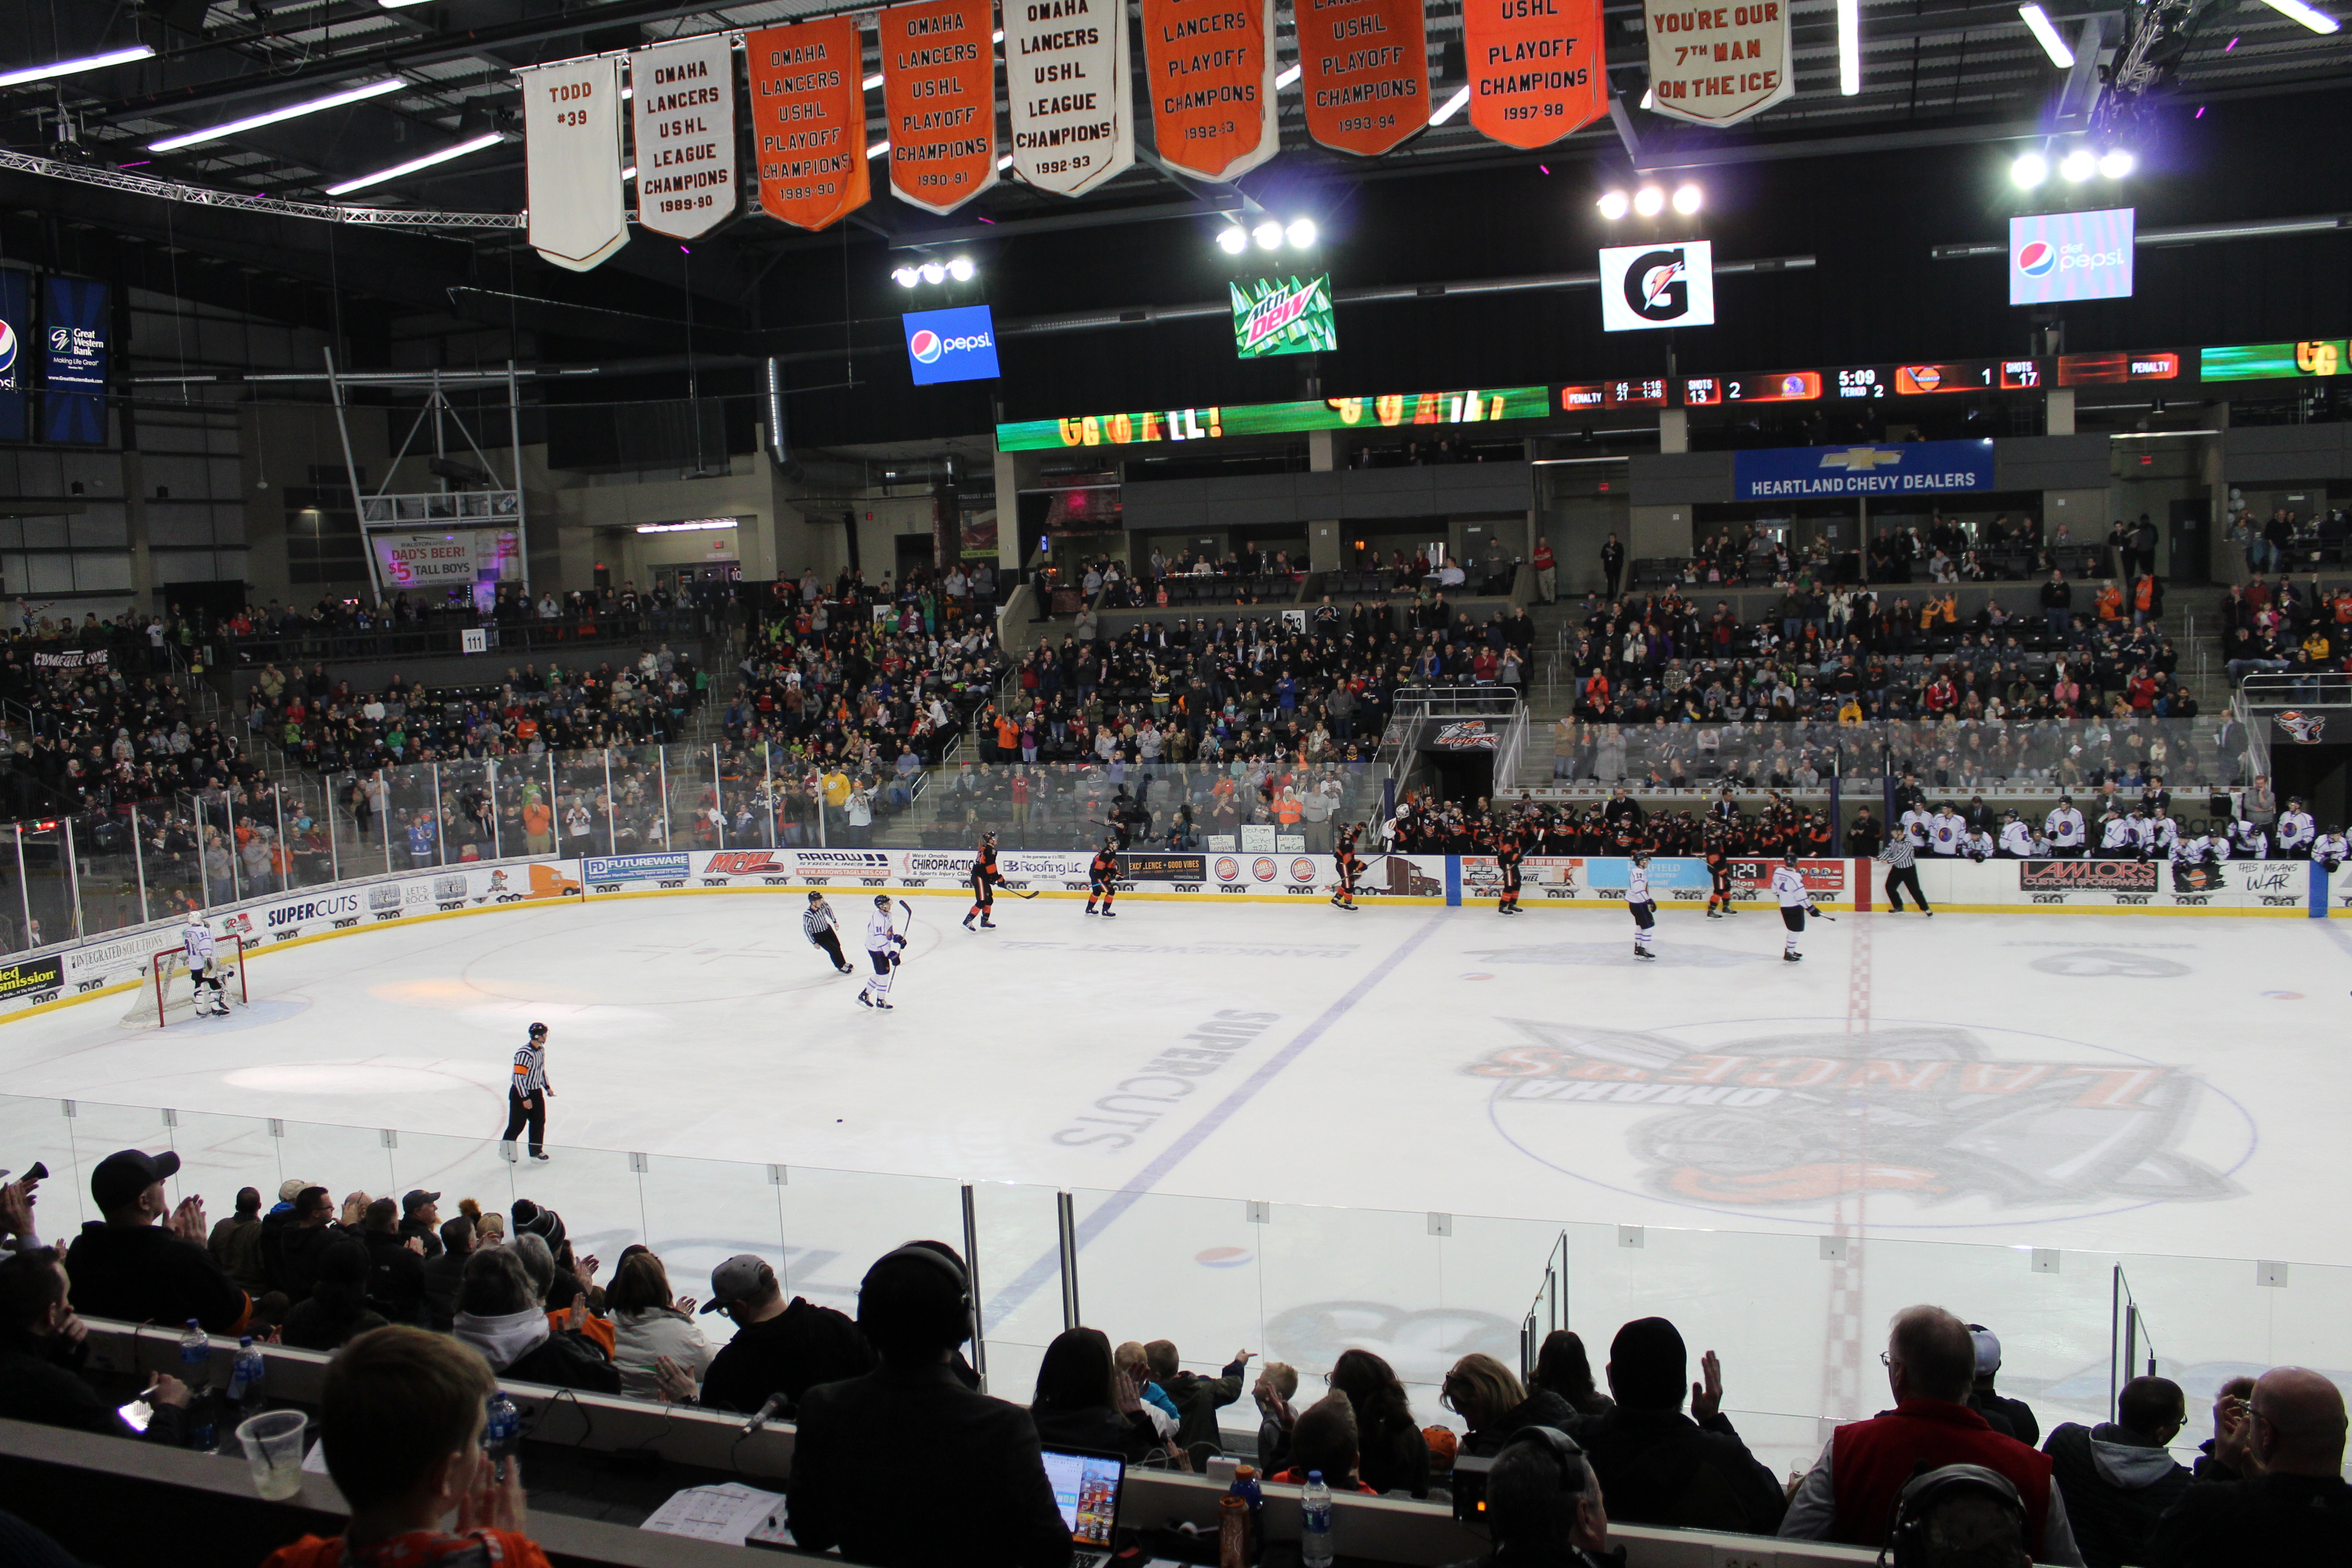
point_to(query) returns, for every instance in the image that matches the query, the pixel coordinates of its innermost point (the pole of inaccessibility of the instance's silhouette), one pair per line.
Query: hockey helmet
(881, 901)
(1789, 856)
(539, 1031)
(815, 897)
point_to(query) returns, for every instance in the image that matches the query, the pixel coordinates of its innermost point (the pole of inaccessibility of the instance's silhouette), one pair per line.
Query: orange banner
(808, 114)
(1210, 64)
(1534, 68)
(1364, 68)
(939, 97)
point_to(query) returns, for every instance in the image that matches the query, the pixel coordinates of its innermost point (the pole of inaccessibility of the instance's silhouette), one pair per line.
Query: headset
(1906, 1536)
(935, 1258)
(1471, 1470)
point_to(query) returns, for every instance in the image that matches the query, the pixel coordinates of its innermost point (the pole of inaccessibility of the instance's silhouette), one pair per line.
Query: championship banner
(1364, 70)
(572, 148)
(1066, 85)
(683, 104)
(1718, 65)
(808, 113)
(1535, 71)
(1211, 66)
(939, 99)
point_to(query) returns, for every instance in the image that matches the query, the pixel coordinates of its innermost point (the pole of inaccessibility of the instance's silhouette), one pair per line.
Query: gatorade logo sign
(950, 345)
(2055, 257)
(1645, 287)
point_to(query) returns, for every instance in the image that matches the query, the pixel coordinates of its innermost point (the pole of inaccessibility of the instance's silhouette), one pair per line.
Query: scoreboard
(1863, 383)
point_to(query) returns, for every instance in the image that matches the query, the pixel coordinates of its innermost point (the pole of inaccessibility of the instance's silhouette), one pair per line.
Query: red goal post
(166, 990)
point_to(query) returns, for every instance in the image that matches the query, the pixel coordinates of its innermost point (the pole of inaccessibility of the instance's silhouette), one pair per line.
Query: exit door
(2192, 539)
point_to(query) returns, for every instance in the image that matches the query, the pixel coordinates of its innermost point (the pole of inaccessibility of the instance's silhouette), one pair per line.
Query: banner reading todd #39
(950, 345)
(1649, 286)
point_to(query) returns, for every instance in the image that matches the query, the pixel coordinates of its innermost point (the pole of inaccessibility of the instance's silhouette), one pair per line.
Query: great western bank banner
(1883, 468)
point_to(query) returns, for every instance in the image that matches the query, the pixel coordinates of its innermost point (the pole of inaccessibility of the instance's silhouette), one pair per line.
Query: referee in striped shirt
(1900, 874)
(527, 1094)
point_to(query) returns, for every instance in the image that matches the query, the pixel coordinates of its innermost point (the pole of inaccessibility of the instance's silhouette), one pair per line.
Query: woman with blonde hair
(1488, 1398)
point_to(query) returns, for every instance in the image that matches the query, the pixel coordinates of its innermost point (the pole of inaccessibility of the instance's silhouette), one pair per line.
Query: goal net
(167, 993)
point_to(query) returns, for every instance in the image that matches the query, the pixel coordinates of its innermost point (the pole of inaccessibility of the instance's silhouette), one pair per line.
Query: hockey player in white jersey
(882, 944)
(2016, 839)
(2163, 835)
(1947, 831)
(2248, 841)
(1915, 828)
(2294, 832)
(196, 943)
(2064, 826)
(1796, 903)
(1640, 905)
(2115, 836)
(2331, 850)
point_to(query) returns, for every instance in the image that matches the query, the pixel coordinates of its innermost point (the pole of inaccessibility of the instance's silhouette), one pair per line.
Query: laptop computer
(1086, 1485)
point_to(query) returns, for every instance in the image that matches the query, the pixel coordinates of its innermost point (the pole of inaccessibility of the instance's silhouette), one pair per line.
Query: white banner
(1670, 284)
(571, 146)
(459, 558)
(1066, 79)
(683, 108)
(1718, 65)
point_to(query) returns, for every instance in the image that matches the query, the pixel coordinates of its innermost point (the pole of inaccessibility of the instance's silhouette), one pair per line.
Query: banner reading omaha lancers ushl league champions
(1718, 65)
(572, 149)
(1364, 72)
(1211, 67)
(939, 97)
(1065, 83)
(1535, 70)
(808, 120)
(683, 103)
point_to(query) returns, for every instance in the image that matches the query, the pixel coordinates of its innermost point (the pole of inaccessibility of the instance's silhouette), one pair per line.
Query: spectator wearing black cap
(1660, 1466)
(395, 1265)
(912, 1415)
(445, 1272)
(42, 1348)
(337, 1308)
(778, 1348)
(572, 1276)
(2010, 1417)
(2118, 1477)
(129, 1267)
(420, 1216)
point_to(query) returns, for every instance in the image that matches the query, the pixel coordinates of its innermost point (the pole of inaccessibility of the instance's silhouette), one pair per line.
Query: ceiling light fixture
(1300, 232)
(1290, 73)
(254, 121)
(445, 155)
(67, 68)
(1688, 199)
(1451, 107)
(2045, 33)
(1649, 201)
(1849, 41)
(1233, 241)
(2317, 21)
(2029, 171)
(1614, 205)
(2078, 165)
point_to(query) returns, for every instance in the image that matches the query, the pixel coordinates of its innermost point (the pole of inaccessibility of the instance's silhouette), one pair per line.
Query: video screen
(1085, 1489)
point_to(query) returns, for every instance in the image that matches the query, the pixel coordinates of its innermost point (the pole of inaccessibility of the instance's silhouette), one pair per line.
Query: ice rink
(1290, 1128)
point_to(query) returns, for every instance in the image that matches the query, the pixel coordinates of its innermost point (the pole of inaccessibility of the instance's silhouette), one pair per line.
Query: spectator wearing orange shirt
(538, 827)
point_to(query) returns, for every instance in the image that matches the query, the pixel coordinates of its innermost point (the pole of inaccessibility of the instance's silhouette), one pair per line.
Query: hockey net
(167, 993)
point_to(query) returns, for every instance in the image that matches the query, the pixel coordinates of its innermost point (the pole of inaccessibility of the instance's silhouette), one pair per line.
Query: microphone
(776, 1402)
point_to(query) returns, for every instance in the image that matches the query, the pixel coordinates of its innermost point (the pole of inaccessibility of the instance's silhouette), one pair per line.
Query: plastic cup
(273, 1452)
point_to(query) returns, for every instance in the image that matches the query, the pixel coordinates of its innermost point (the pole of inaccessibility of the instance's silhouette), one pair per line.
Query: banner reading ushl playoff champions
(1065, 85)
(683, 105)
(1534, 68)
(1718, 65)
(572, 154)
(1211, 66)
(808, 114)
(1364, 72)
(938, 98)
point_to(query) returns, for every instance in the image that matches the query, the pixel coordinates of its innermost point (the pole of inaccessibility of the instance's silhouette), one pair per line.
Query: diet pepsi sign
(2054, 256)
(950, 345)
(1643, 287)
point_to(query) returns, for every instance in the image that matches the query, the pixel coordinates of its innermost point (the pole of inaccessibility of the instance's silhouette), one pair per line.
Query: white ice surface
(2186, 1121)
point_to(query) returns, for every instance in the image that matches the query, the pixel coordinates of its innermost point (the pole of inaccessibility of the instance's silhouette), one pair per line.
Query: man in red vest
(1849, 1495)
(1546, 573)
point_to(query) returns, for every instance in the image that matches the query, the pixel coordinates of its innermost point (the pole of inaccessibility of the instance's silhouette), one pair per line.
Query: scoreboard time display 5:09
(1862, 382)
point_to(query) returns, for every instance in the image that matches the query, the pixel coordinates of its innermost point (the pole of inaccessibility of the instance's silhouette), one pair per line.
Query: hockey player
(1718, 870)
(1796, 902)
(2114, 834)
(1102, 879)
(2163, 835)
(882, 944)
(2294, 832)
(2248, 841)
(1912, 824)
(1507, 857)
(2016, 839)
(1640, 905)
(985, 878)
(2331, 850)
(197, 942)
(2064, 826)
(817, 924)
(1978, 845)
(1349, 863)
(1947, 832)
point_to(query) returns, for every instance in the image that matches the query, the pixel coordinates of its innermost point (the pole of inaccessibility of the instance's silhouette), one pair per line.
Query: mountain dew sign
(1283, 316)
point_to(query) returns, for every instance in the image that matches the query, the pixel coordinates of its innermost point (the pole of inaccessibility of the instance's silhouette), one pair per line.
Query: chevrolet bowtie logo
(1863, 459)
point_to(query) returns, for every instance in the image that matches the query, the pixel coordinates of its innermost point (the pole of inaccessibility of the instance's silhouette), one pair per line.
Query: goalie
(204, 975)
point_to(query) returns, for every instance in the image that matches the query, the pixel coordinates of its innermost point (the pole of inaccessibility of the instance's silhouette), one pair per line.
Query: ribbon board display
(1211, 66)
(808, 121)
(938, 98)
(1066, 86)
(1364, 69)
(1718, 65)
(683, 103)
(1534, 68)
(571, 146)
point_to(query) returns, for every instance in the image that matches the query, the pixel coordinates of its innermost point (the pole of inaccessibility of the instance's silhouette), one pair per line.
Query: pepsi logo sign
(7, 348)
(2038, 259)
(925, 345)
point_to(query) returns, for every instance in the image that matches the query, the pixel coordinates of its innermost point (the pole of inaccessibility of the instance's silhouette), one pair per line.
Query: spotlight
(1649, 201)
(1614, 205)
(934, 273)
(961, 269)
(2078, 165)
(1686, 199)
(906, 277)
(2117, 165)
(1268, 234)
(2030, 170)
(2317, 21)
(1232, 241)
(1300, 233)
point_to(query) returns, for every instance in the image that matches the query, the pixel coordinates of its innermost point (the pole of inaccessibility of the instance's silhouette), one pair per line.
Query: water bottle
(502, 1432)
(1315, 1523)
(195, 1371)
(244, 1379)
